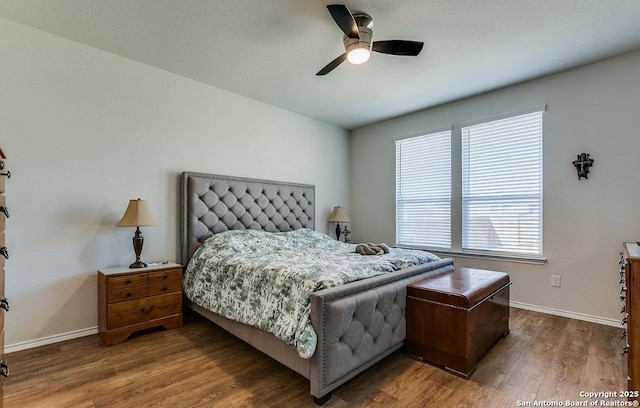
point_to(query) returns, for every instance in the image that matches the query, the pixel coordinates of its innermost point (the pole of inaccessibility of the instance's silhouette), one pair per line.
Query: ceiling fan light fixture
(359, 49)
(358, 55)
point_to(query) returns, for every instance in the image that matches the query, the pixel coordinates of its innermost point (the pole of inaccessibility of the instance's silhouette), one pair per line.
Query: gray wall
(593, 109)
(85, 131)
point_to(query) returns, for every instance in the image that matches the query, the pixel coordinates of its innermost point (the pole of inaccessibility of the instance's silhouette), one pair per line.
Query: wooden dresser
(4, 304)
(630, 295)
(131, 300)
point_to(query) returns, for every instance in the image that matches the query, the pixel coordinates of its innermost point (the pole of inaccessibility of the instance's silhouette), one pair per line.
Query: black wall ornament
(582, 165)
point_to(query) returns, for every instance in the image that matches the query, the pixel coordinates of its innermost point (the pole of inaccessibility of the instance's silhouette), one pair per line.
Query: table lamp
(137, 215)
(338, 216)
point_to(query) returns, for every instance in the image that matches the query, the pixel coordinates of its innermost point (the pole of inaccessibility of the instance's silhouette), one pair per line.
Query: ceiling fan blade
(344, 19)
(330, 66)
(398, 47)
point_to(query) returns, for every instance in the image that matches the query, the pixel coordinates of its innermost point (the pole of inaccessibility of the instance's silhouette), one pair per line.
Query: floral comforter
(266, 279)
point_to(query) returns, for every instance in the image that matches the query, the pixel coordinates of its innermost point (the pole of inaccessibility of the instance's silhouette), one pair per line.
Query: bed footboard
(359, 324)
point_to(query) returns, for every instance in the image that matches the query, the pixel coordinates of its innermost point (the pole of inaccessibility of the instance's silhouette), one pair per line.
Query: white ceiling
(271, 50)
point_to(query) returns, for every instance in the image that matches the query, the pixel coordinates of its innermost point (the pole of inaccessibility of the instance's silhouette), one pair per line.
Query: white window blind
(502, 186)
(423, 190)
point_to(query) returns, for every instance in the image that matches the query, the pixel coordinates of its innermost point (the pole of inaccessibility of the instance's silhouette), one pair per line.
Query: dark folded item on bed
(372, 249)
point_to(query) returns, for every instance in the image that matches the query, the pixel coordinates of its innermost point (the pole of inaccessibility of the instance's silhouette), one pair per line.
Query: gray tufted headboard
(211, 204)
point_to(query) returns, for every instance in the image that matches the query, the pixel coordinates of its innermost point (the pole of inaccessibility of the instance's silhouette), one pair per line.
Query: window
(502, 185)
(423, 190)
(494, 204)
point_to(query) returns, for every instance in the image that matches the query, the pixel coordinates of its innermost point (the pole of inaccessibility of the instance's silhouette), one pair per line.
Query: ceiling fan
(357, 39)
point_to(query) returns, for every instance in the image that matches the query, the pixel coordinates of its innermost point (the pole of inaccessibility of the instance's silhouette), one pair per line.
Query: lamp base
(138, 241)
(138, 264)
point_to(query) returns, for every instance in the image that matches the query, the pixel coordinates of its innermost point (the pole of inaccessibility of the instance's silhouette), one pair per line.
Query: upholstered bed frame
(357, 324)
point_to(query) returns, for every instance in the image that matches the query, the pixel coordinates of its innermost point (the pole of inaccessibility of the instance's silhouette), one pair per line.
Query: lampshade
(138, 214)
(338, 215)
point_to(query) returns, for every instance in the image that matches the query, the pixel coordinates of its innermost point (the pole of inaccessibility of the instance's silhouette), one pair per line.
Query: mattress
(266, 279)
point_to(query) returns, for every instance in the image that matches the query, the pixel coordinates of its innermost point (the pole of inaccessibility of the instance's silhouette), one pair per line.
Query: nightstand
(130, 300)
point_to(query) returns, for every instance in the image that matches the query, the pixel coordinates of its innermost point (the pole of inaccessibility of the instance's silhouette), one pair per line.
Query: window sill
(482, 255)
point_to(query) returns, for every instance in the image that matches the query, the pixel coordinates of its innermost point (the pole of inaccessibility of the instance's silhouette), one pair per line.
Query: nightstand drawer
(120, 295)
(164, 276)
(137, 311)
(166, 287)
(126, 281)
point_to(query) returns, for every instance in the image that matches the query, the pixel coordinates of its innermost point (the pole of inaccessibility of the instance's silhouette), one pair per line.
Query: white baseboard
(564, 313)
(24, 345)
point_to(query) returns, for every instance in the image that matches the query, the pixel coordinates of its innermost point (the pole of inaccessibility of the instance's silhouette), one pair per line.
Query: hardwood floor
(544, 357)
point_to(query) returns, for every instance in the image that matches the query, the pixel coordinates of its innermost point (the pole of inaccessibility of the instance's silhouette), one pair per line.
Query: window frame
(456, 191)
(436, 132)
(530, 197)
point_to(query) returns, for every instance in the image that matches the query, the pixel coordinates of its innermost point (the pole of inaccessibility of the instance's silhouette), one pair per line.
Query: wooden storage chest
(453, 318)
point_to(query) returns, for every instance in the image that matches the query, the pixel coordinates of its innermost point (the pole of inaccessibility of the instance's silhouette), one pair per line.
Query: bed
(357, 324)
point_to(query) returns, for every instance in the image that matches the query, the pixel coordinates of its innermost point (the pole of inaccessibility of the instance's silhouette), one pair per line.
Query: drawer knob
(4, 210)
(4, 368)
(128, 281)
(4, 252)
(623, 321)
(8, 174)
(143, 310)
(128, 294)
(4, 304)
(625, 349)
(164, 289)
(165, 276)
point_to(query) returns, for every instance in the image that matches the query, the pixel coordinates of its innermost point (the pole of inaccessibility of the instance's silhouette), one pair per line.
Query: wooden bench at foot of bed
(453, 318)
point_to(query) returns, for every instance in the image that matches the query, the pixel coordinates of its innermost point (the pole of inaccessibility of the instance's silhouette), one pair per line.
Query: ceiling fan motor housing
(365, 23)
(363, 42)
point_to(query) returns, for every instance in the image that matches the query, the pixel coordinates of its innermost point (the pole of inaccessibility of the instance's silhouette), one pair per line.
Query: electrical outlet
(555, 281)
